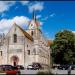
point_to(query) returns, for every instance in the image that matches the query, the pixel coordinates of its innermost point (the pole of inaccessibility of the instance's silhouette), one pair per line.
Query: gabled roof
(25, 33)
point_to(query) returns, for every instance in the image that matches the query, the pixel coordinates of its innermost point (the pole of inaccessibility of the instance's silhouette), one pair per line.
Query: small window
(27, 45)
(28, 52)
(15, 38)
(31, 25)
(1, 53)
(32, 33)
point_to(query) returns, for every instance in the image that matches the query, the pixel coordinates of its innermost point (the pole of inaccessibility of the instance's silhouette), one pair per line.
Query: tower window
(28, 52)
(15, 38)
(32, 33)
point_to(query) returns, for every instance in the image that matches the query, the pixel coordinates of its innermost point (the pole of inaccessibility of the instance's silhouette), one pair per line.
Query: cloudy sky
(53, 16)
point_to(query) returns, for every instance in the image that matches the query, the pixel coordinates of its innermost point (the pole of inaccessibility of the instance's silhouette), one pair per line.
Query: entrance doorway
(14, 60)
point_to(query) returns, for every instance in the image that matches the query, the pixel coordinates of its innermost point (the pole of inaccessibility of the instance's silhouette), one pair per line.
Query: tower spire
(34, 15)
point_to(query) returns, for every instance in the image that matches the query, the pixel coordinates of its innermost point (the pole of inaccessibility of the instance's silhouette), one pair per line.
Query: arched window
(27, 45)
(28, 52)
(0, 53)
(15, 38)
(32, 33)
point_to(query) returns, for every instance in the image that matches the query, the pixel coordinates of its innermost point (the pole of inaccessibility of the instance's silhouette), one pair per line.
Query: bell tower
(34, 31)
(33, 26)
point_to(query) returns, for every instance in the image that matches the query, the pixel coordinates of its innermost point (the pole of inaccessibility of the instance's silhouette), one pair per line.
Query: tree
(63, 48)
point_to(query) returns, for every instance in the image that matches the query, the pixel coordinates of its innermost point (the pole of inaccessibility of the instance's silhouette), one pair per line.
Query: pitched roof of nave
(24, 32)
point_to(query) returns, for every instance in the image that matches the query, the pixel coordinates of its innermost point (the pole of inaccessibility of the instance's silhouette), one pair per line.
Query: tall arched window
(0, 53)
(28, 52)
(15, 38)
(32, 33)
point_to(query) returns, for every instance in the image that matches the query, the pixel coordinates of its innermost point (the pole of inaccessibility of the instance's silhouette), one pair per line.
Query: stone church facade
(24, 47)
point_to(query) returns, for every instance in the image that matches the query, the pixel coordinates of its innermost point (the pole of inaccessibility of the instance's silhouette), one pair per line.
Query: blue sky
(54, 16)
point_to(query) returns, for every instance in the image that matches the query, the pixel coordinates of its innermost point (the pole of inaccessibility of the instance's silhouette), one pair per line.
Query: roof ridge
(25, 33)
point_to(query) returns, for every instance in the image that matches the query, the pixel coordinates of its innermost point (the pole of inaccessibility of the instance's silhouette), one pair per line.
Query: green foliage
(63, 48)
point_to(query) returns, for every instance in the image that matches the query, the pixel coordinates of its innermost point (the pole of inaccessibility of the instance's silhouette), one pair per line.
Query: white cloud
(41, 23)
(5, 5)
(5, 24)
(52, 15)
(37, 6)
(3, 14)
(21, 20)
(16, 7)
(24, 2)
(45, 18)
(49, 15)
(38, 16)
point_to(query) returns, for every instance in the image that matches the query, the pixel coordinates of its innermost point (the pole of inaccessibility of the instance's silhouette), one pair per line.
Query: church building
(25, 47)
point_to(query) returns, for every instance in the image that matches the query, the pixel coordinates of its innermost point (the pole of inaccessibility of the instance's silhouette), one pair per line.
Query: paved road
(28, 72)
(62, 71)
(32, 71)
(24, 72)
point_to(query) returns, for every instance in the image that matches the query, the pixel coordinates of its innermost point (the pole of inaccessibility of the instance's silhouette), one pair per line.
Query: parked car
(8, 69)
(34, 66)
(66, 67)
(55, 66)
(72, 67)
(20, 67)
(61, 67)
(30, 67)
(37, 66)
